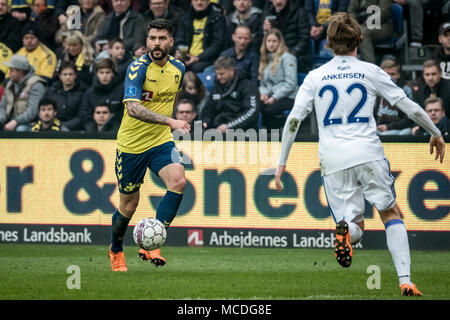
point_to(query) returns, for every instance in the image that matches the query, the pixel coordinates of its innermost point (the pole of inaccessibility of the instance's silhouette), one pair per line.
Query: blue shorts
(131, 168)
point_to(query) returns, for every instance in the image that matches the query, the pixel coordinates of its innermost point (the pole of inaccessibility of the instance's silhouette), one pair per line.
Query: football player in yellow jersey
(145, 140)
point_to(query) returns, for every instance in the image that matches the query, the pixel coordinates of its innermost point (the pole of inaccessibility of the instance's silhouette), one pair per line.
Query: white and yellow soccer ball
(149, 234)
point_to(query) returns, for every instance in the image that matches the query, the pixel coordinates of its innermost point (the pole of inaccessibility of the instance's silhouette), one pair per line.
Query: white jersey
(343, 93)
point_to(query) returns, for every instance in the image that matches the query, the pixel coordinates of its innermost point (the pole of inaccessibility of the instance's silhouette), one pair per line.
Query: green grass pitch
(40, 272)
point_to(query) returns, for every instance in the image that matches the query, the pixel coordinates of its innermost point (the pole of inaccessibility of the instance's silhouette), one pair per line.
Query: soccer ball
(149, 234)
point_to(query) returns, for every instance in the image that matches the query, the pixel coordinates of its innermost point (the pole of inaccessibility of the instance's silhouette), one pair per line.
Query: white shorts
(346, 190)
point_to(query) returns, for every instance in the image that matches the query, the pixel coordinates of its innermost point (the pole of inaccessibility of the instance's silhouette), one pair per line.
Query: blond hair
(430, 63)
(389, 64)
(264, 60)
(76, 36)
(432, 99)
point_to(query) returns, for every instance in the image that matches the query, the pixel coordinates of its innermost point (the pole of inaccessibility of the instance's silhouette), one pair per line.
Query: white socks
(397, 242)
(355, 232)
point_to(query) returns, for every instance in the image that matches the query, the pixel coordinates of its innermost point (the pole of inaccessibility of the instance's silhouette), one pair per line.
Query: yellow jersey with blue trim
(156, 89)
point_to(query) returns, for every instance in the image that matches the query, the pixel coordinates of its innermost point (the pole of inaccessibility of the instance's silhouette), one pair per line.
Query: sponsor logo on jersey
(147, 95)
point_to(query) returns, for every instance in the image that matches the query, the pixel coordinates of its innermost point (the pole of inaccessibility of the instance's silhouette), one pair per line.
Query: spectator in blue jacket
(246, 59)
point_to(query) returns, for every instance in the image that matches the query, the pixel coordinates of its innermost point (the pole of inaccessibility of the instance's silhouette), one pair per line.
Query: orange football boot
(342, 246)
(154, 256)
(410, 290)
(117, 261)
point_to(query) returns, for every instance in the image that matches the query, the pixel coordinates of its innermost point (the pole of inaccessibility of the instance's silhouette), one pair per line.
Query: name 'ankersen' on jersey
(337, 76)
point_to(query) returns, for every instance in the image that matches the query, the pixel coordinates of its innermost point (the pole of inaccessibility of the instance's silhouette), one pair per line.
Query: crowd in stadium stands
(63, 62)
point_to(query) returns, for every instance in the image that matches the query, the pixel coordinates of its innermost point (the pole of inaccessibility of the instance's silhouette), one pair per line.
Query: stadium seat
(400, 37)
(207, 79)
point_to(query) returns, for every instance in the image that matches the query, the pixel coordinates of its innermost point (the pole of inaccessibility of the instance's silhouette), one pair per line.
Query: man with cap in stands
(20, 99)
(443, 53)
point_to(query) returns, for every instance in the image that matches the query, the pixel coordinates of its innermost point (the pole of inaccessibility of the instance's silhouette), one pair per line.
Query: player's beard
(164, 53)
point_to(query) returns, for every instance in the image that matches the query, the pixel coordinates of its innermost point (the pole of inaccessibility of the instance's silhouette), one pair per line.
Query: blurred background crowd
(63, 62)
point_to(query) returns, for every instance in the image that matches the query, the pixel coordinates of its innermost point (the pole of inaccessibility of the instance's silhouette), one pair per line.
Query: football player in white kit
(352, 160)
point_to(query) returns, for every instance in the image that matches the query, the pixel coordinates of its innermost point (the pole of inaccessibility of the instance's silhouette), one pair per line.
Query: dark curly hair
(160, 24)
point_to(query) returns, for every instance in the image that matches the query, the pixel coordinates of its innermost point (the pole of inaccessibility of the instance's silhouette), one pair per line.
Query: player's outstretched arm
(302, 107)
(278, 173)
(138, 111)
(438, 144)
(289, 134)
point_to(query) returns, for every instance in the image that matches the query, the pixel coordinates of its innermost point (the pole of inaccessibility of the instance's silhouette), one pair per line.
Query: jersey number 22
(351, 118)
